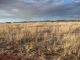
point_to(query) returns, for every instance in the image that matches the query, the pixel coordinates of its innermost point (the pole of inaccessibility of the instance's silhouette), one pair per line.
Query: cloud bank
(39, 8)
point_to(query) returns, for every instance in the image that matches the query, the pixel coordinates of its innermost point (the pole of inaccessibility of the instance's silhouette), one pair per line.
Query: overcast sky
(38, 9)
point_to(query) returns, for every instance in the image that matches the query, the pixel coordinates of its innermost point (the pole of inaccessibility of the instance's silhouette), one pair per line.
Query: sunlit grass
(42, 40)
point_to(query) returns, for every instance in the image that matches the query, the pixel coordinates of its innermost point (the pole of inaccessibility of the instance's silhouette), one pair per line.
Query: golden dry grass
(41, 40)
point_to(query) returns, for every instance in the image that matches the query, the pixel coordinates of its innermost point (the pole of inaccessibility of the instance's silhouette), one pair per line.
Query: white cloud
(76, 1)
(15, 10)
(5, 13)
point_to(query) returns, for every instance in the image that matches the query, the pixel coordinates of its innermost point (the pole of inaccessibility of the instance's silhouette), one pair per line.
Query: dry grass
(42, 41)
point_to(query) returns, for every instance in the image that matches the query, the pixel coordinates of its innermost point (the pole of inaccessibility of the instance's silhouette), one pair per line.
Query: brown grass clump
(40, 41)
(6, 56)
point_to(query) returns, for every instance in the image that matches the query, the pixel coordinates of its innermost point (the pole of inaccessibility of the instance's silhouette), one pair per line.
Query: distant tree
(8, 22)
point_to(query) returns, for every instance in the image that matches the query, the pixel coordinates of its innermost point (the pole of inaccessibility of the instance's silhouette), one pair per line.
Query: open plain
(40, 41)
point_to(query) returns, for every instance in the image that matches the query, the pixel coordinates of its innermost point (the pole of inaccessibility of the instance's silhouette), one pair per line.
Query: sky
(39, 10)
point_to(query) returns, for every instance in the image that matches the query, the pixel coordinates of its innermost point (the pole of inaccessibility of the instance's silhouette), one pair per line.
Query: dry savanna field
(40, 41)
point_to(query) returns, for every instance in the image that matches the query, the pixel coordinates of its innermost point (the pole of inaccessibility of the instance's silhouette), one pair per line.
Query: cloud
(4, 13)
(8, 1)
(39, 8)
(76, 1)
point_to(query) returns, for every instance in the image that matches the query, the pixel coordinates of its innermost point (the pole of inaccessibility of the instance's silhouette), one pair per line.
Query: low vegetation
(40, 41)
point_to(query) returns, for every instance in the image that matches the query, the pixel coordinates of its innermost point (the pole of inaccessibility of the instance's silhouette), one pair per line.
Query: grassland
(41, 40)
